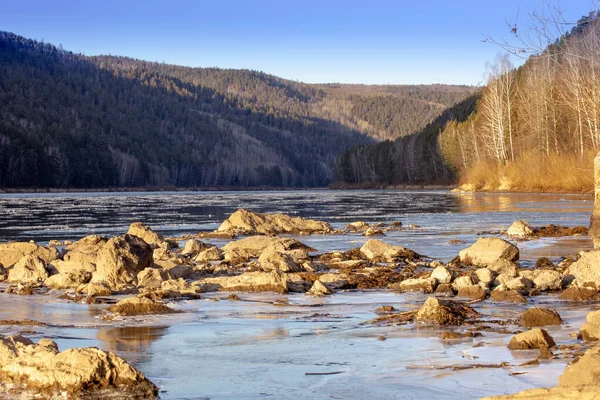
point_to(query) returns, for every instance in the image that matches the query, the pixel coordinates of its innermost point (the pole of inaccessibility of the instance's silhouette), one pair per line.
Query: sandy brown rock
(152, 277)
(271, 260)
(98, 289)
(462, 282)
(520, 228)
(442, 275)
(358, 226)
(148, 235)
(590, 330)
(532, 339)
(371, 231)
(584, 372)
(120, 260)
(586, 270)
(504, 267)
(580, 294)
(212, 253)
(319, 289)
(555, 393)
(538, 316)
(11, 253)
(548, 280)
(511, 296)
(84, 250)
(41, 368)
(29, 269)
(444, 312)
(248, 223)
(68, 280)
(193, 247)
(139, 306)
(247, 282)
(472, 292)
(378, 251)
(424, 285)
(485, 251)
(73, 266)
(252, 247)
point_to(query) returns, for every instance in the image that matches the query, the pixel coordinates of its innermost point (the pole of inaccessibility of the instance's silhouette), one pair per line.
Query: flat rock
(41, 368)
(247, 222)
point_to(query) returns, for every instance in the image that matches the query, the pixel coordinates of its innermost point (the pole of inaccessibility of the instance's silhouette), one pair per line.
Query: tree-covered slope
(67, 120)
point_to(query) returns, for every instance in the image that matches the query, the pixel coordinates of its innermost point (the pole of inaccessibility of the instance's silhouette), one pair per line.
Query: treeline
(536, 127)
(67, 120)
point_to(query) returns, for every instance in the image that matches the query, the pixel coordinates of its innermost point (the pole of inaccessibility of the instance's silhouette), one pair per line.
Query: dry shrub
(534, 172)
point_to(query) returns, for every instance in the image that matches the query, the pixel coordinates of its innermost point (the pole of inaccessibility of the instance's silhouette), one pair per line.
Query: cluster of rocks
(522, 229)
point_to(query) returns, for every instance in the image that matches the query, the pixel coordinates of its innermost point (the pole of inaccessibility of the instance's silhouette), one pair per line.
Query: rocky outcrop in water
(444, 312)
(487, 251)
(139, 306)
(245, 222)
(41, 368)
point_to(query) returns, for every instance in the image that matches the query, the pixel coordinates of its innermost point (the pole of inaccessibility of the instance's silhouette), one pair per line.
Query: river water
(254, 349)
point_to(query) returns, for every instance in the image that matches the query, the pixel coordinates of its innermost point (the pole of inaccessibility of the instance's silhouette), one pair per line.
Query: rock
(319, 289)
(504, 267)
(179, 271)
(11, 253)
(358, 226)
(139, 306)
(246, 222)
(147, 235)
(152, 277)
(485, 276)
(98, 289)
(120, 260)
(212, 253)
(537, 316)
(520, 228)
(248, 282)
(193, 247)
(84, 250)
(3, 273)
(179, 286)
(548, 280)
(582, 294)
(584, 372)
(442, 275)
(472, 292)
(511, 296)
(544, 263)
(444, 312)
(64, 267)
(335, 281)
(275, 261)
(424, 285)
(385, 309)
(378, 251)
(68, 280)
(254, 246)
(29, 269)
(594, 230)
(74, 373)
(518, 283)
(462, 282)
(533, 339)
(374, 232)
(485, 251)
(586, 270)
(590, 330)
(444, 289)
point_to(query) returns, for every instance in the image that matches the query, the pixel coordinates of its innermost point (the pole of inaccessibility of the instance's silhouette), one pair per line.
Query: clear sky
(368, 41)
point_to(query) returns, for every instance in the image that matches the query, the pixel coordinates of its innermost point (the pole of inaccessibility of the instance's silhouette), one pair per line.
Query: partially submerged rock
(120, 260)
(248, 222)
(444, 312)
(579, 294)
(139, 306)
(41, 368)
(538, 316)
(376, 250)
(533, 339)
(520, 228)
(319, 289)
(485, 251)
(511, 296)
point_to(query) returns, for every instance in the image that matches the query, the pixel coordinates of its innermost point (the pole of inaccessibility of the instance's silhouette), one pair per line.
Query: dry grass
(532, 172)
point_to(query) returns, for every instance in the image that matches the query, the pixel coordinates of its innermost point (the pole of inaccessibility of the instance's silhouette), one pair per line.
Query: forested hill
(68, 120)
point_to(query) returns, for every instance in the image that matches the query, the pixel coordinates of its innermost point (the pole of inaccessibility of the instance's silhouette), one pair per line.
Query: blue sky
(373, 42)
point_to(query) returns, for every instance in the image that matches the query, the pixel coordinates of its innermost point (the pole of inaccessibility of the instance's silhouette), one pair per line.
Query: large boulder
(11, 253)
(520, 228)
(120, 260)
(40, 368)
(485, 251)
(378, 251)
(444, 312)
(84, 250)
(538, 316)
(147, 235)
(250, 223)
(586, 270)
(591, 329)
(254, 246)
(248, 282)
(536, 338)
(29, 269)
